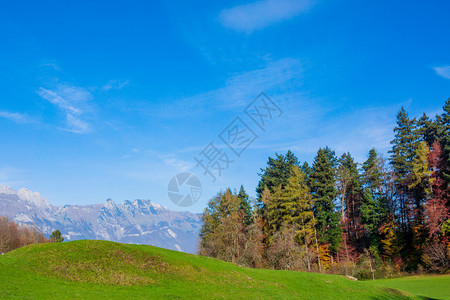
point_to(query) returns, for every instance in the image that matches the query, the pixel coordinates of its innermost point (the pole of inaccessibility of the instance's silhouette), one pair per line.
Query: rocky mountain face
(137, 222)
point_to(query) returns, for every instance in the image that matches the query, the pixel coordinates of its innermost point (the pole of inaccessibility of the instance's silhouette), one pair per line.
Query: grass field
(100, 269)
(436, 287)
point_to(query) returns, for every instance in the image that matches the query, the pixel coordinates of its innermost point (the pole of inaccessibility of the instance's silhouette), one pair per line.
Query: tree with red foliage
(347, 252)
(436, 211)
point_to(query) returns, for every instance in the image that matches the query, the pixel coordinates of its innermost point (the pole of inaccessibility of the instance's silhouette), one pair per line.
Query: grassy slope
(437, 287)
(91, 269)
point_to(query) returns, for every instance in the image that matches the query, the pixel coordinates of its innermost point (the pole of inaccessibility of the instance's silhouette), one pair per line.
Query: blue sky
(110, 99)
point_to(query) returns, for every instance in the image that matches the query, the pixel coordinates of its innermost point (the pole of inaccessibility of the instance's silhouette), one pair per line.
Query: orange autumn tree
(325, 256)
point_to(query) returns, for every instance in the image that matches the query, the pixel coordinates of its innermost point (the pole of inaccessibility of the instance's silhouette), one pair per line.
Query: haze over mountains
(138, 221)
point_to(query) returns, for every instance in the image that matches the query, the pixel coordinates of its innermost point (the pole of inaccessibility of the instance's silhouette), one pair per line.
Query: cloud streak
(115, 85)
(274, 78)
(17, 117)
(443, 71)
(72, 101)
(260, 14)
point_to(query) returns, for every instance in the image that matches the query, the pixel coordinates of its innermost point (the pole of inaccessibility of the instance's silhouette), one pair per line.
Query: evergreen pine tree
(323, 181)
(444, 133)
(306, 169)
(244, 205)
(372, 176)
(276, 173)
(374, 206)
(402, 156)
(428, 129)
(348, 175)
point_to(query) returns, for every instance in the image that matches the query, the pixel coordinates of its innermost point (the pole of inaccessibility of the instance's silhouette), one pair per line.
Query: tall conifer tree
(277, 172)
(245, 206)
(348, 170)
(375, 206)
(444, 129)
(323, 182)
(402, 156)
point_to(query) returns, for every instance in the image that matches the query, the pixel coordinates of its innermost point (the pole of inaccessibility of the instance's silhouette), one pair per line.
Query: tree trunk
(308, 258)
(371, 269)
(318, 253)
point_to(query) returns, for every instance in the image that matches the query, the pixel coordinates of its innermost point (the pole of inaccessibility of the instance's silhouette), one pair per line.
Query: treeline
(13, 236)
(375, 219)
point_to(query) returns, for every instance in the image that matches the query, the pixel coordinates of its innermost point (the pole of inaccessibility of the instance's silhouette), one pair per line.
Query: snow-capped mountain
(138, 221)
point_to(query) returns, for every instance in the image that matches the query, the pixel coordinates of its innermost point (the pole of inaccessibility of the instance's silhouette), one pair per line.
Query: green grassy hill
(100, 269)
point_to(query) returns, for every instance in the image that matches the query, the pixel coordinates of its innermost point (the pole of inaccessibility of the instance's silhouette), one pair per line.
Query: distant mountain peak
(139, 221)
(4, 189)
(109, 203)
(33, 198)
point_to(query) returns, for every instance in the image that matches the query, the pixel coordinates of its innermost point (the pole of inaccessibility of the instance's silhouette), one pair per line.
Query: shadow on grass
(397, 294)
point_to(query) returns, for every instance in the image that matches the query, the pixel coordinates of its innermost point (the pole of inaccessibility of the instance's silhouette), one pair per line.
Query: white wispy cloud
(260, 14)
(178, 164)
(443, 71)
(239, 90)
(76, 125)
(72, 101)
(115, 85)
(17, 117)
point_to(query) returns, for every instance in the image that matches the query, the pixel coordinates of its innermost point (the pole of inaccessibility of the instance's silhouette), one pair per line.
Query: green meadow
(431, 286)
(101, 269)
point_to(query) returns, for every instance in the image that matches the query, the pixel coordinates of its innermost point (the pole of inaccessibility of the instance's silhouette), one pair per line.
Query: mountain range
(137, 222)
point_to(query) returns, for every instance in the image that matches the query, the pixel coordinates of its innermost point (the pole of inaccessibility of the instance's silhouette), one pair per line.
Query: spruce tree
(402, 156)
(244, 205)
(351, 193)
(276, 173)
(374, 206)
(428, 129)
(444, 133)
(372, 173)
(306, 169)
(323, 181)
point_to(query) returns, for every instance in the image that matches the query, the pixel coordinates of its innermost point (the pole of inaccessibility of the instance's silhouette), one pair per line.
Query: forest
(382, 218)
